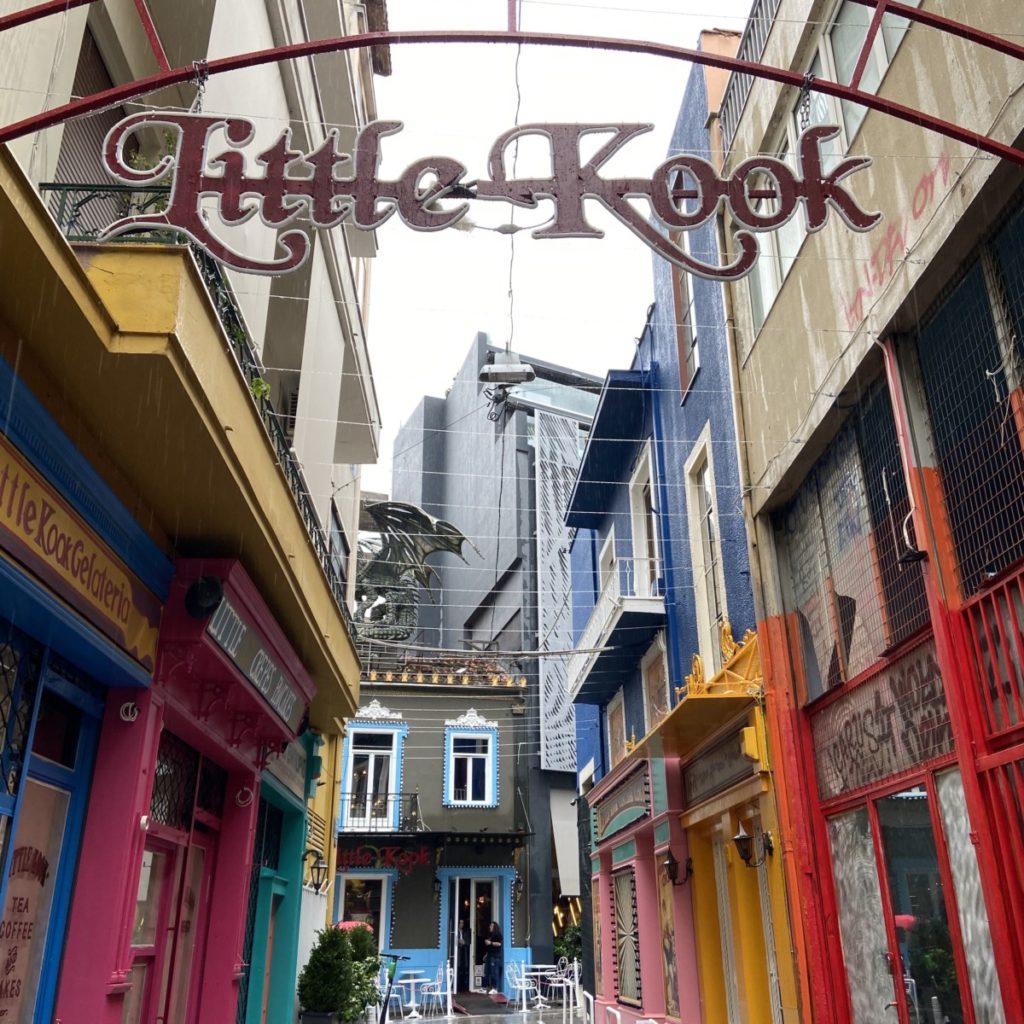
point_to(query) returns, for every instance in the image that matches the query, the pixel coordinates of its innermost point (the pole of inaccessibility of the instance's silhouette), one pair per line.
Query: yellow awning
(707, 705)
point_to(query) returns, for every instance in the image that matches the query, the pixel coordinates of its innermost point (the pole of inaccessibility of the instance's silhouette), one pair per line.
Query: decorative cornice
(375, 711)
(471, 720)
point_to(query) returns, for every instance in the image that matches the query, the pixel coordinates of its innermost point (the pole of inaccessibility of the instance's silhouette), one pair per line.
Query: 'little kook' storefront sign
(327, 187)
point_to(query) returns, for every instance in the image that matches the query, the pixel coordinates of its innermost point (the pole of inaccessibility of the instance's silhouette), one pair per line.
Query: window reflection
(919, 908)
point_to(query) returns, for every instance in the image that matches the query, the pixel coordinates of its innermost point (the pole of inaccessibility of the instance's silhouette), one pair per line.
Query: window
(688, 355)
(339, 547)
(616, 729)
(705, 550)
(370, 787)
(606, 563)
(835, 59)
(657, 701)
(470, 764)
(365, 898)
(646, 567)
(370, 797)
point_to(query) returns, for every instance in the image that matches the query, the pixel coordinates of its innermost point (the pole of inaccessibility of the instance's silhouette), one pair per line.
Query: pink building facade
(157, 933)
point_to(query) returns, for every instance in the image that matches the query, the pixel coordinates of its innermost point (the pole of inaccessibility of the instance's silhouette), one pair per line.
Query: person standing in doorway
(494, 957)
(464, 955)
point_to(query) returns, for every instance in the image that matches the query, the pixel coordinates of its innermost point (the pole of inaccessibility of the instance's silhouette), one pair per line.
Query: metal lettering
(762, 194)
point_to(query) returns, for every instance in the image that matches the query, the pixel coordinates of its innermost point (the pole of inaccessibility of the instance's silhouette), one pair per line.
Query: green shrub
(341, 974)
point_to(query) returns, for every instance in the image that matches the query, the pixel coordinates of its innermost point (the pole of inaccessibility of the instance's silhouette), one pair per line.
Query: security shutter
(80, 159)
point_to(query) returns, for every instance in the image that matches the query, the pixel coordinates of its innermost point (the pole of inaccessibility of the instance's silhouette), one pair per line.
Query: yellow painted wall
(748, 934)
(323, 809)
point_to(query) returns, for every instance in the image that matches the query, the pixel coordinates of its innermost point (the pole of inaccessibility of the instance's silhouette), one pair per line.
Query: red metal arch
(175, 76)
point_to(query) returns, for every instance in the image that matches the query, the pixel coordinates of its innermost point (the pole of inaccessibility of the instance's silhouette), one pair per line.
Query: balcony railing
(752, 44)
(82, 211)
(383, 812)
(627, 578)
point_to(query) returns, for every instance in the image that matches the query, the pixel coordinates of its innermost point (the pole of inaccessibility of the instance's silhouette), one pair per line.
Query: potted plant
(340, 979)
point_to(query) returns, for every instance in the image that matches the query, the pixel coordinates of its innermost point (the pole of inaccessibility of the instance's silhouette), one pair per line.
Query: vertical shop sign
(30, 886)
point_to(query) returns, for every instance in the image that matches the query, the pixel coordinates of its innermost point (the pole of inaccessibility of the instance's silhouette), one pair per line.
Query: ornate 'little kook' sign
(326, 187)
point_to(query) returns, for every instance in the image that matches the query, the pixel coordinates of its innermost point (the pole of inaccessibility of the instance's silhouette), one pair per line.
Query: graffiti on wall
(891, 250)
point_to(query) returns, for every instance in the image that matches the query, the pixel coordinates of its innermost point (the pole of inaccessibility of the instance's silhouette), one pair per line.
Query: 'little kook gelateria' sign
(327, 187)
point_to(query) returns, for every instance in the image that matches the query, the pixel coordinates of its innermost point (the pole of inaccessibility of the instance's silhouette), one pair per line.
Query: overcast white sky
(578, 302)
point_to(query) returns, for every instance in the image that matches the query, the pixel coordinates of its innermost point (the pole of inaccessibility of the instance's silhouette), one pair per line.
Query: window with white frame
(606, 562)
(835, 59)
(646, 565)
(471, 762)
(657, 702)
(687, 352)
(369, 797)
(705, 550)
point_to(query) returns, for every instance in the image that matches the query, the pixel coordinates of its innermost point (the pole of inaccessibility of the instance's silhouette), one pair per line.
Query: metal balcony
(627, 614)
(388, 813)
(82, 211)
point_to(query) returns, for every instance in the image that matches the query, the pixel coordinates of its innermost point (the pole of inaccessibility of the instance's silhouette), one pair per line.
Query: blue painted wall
(675, 422)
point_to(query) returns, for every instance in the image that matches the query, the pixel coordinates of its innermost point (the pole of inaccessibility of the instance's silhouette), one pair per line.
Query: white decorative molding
(471, 720)
(375, 711)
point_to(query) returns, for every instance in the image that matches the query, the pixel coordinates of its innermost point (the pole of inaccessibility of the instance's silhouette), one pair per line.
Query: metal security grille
(995, 628)
(174, 788)
(80, 160)
(557, 440)
(755, 37)
(1003, 794)
(971, 363)
(266, 854)
(851, 584)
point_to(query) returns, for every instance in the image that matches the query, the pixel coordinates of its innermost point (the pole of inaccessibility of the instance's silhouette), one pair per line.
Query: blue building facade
(687, 906)
(666, 424)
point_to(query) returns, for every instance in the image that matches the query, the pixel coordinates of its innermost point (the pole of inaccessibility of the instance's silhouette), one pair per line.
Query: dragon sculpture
(392, 567)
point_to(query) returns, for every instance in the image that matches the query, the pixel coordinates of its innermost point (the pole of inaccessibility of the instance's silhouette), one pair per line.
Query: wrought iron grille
(848, 542)
(19, 678)
(266, 854)
(174, 787)
(83, 212)
(268, 836)
(973, 372)
(381, 812)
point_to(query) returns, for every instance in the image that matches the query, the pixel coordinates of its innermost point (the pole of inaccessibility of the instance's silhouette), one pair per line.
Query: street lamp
(672, 868)
(744, 843)
(318, 870)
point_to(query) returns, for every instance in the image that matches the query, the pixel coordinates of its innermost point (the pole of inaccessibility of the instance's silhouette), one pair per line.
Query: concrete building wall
(923, 185)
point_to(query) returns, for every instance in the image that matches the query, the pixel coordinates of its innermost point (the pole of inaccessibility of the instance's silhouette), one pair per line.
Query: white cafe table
(413, 977)
(537, 973)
